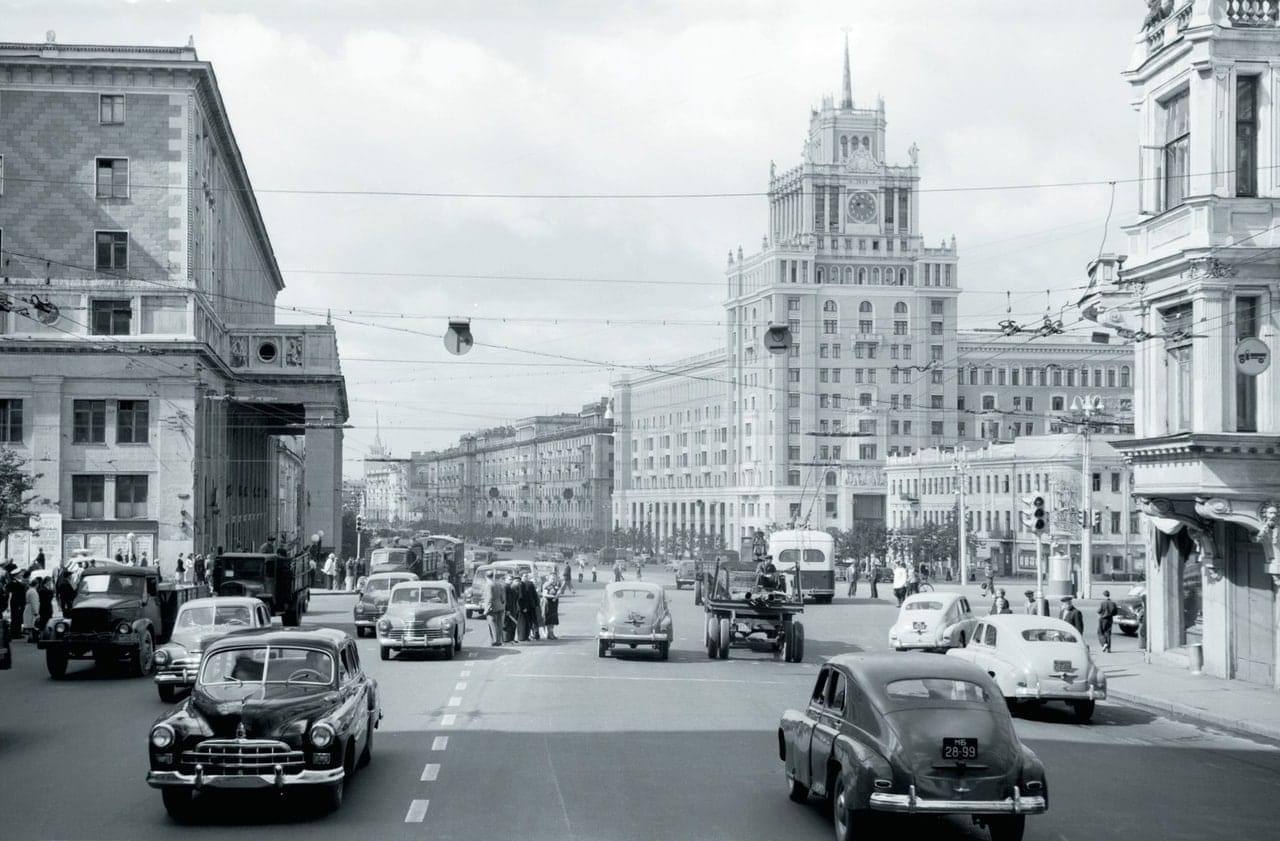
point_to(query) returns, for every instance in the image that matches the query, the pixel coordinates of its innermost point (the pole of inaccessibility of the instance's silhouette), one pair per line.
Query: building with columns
(1198, 291)
(144, 375)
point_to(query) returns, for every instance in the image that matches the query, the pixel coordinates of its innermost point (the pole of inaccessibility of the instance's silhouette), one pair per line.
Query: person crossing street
(1106, 616)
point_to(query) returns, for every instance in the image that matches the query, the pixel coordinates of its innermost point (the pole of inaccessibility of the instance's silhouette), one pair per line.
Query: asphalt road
(547, 741)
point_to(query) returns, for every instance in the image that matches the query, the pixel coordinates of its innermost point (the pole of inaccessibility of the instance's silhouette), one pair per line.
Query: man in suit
(529, 608)
(1106, 615)
(494, 604)
(513, 608)
(1071, 615)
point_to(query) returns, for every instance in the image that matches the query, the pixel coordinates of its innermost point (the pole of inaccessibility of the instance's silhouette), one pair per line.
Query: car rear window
(635, 595)
(1049, 635)
(936, 689)
(922, 606)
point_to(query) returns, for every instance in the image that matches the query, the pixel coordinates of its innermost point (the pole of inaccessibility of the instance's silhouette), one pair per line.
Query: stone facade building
(144, 376)
(1198, 293)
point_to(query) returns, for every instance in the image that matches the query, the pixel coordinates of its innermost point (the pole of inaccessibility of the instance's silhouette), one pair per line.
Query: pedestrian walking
(593, 574)
(617, 571)
(582, 570)
(899, 582)
(568, 578)
(45, 610)
(513, 609)
(528, 608)
(913, 580)
(31, 610)
(1000, 604)
(551, 606)
(1106, 616)
(198, 568)
(853, 580)
(66, 592)
(873, 573)
(17, 601)
(639, 571)
(1071, 615)
(494, 606)
(351, 574)
(218, 570)
(330, 571)
(1141, 610)
(1031, 608)
(182, 570)
(991, 577)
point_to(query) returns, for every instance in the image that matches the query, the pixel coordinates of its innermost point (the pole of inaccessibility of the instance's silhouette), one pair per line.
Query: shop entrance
(1253, 633)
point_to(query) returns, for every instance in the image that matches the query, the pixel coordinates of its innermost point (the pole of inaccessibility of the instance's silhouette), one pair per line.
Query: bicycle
(924, 587)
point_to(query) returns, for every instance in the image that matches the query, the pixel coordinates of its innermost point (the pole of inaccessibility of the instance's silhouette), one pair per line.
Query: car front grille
(242, 757)
(89, 620)
(418, 630)
(184, 668)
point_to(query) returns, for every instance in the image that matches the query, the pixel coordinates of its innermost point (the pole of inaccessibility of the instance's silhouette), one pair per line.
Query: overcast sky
(623, 97)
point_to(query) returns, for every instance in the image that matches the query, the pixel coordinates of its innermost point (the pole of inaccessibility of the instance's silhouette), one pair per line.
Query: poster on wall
(119, 543)
(16, 550)
(145, 544)
(47, 538)
(70, 544)
(97, 545)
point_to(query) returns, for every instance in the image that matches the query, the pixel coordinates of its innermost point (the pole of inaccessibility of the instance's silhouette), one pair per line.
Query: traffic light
(1039, 521)
(360, 522)
(1097, 520)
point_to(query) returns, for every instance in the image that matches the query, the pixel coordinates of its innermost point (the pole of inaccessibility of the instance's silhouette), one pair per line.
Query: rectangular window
(935, 428)
(935, 376)
(132, 418)
(867, 451)
(822, 351)
(833, 502)
(893, 351)
(793, 453)
(1115, 483)
(835, 375)
(893, 427)
(86, 497)
(835, 351)
(1247, 136)
(793, 305)
(165, 314)
(131, 497)
(906, 425)
(89, 422)
(935, 328)
(112, 250)
(793, 426)
(1030, 404)
(110, 317)
(793, 401)
(1179, 386)
(835, 400)
(111, 108)
(10, 421)
(864, 327)
(935, 306)
(830, 327)
(1246, 386)
(899, 328)
(823, 375)
(1177, 150)
(823, 401)
(988, 402)
(793, 478)
(935, 401)
(793, 375)
(935, 353)
(113, 178)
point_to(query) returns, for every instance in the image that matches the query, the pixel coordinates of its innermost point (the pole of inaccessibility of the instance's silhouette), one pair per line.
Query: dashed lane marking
(656, 679)
(417, 811)
(430, 772)
(448, 720)
(455, 701)
(440, 743)
(460, 686)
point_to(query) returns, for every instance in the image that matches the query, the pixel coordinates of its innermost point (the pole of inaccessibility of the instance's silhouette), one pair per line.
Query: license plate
(961, 749)
(919, 627)
(1062, 665)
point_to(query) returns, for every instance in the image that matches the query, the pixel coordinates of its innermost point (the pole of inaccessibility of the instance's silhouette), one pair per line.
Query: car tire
(849, 823)
(448, 651)
(56, 662)
(797, 791)
(144, 658)
(457, 641)
(664, 650)
(384, 652)
(725, 638)
(1007, 827)
(179, 803)
(1083, 711)
(331, 796)
(169, 694)
(602, 648)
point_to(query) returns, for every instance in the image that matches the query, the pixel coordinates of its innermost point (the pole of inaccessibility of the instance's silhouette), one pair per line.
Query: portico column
(322, 471)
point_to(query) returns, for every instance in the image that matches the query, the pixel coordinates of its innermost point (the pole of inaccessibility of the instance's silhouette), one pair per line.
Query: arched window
(830, 306)
(844, 147)
(902, 277)
(1111, 378)
(1124, 376)
(848, 275)
(831, 480)
(900, 308)
(865, 306)
(862, 276)
(753, 314)
(875, 276)
(821, 271)
(866, 142)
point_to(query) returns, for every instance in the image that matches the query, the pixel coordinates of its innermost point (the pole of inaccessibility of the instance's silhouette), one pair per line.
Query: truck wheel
(178, 803)
(144, 658)
(797, 642)
(710, 633)
(168, 694)
(56, 661)
(725, 638)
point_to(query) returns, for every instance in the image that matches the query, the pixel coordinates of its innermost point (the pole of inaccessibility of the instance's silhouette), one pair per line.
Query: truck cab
(278, 580)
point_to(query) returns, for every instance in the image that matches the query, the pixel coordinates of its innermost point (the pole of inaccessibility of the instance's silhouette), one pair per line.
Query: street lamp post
(960, 465)
(1086, 407)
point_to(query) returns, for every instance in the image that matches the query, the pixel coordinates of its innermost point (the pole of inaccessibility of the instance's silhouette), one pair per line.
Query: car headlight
(360, 608)
(440, 621)
(162, 736)
(321, 735)
(124, 628)
(61, 627)
(162, 658)
(384, 624)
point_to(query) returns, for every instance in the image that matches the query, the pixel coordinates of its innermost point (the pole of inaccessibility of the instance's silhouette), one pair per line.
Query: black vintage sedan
(924, 734)
(270, 709)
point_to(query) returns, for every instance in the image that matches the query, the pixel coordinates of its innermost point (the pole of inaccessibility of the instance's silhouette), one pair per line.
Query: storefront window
(1190, 598)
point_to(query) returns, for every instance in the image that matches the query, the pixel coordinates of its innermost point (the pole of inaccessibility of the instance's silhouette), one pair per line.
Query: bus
(447, 555)
(503, 544)
(815, 553)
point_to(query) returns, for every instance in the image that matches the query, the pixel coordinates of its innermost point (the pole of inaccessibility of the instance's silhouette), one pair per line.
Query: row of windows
(88, 494)
(89, 421)
(998, 483)
(1054, 375)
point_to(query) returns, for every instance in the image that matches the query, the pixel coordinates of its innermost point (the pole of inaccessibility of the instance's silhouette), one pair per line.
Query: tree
(16, 492)
(348, 534)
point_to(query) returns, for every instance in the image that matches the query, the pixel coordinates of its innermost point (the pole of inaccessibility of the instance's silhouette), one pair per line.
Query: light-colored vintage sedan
(422, 615)
(1037, 659)
(933, 622)
(200, 622)
(633, 614)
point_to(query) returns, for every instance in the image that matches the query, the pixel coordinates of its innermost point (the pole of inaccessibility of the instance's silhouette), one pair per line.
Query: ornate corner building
(1198, 295)
(143, 375)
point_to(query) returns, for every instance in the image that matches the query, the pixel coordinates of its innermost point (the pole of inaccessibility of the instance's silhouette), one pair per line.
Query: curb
(1233, 725)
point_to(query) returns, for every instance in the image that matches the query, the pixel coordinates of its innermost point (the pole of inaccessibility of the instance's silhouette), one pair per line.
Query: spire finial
(846, 95)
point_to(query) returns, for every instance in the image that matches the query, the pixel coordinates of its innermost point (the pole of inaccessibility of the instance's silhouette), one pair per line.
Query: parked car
(371, 603)
(422, 615)
(200, 622)
(686, 574)
(933, 622)
(926, 734)
(1037, 658)
(271, 709)
(120, 613)
(634, 613)
(1127, 609)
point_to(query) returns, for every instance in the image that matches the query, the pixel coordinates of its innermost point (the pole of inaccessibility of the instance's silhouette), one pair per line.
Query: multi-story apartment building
(144, 373)
(388, 500)
(924, 488)
(542, 473)
(1198, 289)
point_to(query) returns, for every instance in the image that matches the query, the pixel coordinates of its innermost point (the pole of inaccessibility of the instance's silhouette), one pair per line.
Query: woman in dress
(551, 606)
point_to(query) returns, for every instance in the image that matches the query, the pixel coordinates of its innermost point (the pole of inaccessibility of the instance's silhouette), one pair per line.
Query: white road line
(448, 720)
(465, 673)
(430, 772)
(455, 701)
(658, 679)
(460, 686)
(440, 743)
(417, 811)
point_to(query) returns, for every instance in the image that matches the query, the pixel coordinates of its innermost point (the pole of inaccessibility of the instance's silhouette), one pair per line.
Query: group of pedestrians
(519, 608)
(30, 596)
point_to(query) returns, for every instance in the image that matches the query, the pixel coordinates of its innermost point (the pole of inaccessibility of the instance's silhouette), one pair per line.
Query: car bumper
(1040, 693)
(919, 645)
(633, 639)
(1019, 804)
(186, 680)
(200, 780)
(100, 641)
(415, 642)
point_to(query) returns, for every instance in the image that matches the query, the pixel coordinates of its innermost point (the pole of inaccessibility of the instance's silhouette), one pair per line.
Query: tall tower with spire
(846, 91)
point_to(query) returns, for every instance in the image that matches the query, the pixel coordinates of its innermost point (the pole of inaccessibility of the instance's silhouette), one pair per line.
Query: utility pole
(960, 466)
(1087, 407)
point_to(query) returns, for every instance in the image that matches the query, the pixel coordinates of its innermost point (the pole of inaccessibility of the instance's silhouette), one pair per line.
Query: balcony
(285, 350)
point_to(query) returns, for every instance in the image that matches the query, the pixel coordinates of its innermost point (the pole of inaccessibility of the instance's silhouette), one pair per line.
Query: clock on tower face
(862, 207)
